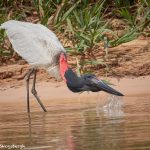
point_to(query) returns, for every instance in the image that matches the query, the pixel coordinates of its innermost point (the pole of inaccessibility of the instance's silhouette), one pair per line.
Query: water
(78, 125)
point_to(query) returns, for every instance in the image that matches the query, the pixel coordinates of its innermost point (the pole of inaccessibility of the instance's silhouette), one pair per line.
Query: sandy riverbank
(48, 91)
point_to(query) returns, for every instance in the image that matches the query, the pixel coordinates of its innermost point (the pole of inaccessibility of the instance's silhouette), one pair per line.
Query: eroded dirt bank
(126, 60)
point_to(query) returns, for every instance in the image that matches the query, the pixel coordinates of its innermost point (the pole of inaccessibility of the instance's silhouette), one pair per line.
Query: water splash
(113, 106)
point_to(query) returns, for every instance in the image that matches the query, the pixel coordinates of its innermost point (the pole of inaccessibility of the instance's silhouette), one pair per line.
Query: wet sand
(49, 91)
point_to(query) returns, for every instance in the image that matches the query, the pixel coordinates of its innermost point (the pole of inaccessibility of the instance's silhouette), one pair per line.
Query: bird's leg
(34, 92)
(27, 77)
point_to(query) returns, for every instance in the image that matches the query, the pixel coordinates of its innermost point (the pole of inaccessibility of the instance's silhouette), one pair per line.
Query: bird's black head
(73, 82)
(87, 82)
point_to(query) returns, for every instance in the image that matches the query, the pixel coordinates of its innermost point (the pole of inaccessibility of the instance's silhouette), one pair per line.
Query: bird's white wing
(34, 42)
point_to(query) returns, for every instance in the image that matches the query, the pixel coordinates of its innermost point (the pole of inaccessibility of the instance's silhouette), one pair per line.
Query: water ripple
(79, 126)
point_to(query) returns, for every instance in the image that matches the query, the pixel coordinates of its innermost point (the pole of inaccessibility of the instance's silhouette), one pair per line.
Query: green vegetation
(86, 24)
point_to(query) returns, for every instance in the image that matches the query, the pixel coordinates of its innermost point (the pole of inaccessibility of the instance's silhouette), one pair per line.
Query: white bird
(39, 46)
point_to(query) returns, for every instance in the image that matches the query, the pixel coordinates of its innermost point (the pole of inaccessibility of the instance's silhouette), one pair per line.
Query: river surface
(77, 124)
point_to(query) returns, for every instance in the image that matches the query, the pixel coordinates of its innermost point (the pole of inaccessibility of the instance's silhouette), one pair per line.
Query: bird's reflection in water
(30, 126)
(34, 125)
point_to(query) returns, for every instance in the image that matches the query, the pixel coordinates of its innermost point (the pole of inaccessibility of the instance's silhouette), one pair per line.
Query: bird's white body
(38, 45)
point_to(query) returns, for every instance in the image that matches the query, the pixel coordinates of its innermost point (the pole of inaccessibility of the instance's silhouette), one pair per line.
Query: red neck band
(63, 66)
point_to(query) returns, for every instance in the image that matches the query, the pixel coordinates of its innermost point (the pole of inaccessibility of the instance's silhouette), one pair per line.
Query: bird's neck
(71, 78)
(63, 69)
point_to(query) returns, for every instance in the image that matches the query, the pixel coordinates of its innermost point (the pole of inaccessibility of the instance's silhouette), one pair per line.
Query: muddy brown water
(78, 123)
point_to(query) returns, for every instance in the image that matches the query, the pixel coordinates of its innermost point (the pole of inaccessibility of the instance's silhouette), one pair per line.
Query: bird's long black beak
(108, 89)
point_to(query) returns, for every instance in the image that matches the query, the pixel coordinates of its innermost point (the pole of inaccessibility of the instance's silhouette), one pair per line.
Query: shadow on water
(124, 126)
